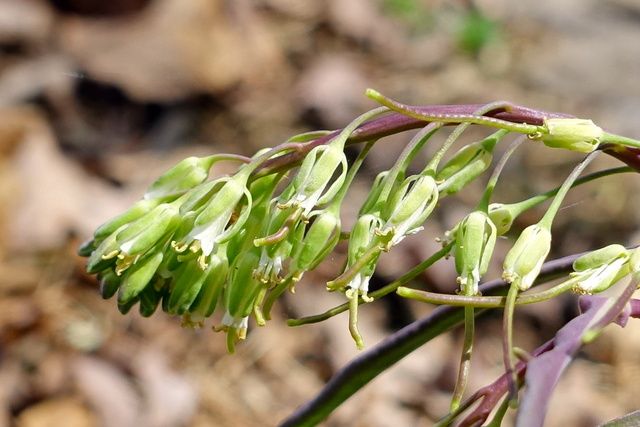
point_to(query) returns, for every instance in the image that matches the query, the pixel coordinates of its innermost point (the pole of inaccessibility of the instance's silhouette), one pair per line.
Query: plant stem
(364, 368)
(405, 278)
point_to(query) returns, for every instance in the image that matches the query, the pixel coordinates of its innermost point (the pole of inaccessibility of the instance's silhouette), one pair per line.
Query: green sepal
(242, 288)
(319, 240)
(138, 275)
(524, 260)
(580, 135)
(125, 307)
(149, 298)
(187, 174)
(599, 257)
(109, 283)
(207, 299)
(87, 248)
(134, 213)
(146, 232)
(104, 256)
(467, 164)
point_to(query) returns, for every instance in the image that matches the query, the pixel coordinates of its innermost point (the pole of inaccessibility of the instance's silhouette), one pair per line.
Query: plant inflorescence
(232, 245)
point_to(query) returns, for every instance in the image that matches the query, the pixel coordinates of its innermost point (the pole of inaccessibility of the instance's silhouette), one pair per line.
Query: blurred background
(98, 98)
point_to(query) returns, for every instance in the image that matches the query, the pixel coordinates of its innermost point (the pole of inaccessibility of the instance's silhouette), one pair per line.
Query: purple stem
(396, 123)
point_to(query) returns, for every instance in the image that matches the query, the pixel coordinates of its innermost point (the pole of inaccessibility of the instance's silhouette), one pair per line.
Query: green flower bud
(413, 203)
(600, 269)
(124, 308)
(501, 216)
(187, 282)
(87, 248)
(364, 236)
(109, 283)
(134, 213)
(315, 175)
(146, 232)
(373, 198)
(475, 240)
(599, 257)
(467, 164)
(138, 276)
(572, 134)
(150, 298)
(242, 288)
(523, 262)
(318, 241)
(187, 174)
(207, 300)
(104, 256)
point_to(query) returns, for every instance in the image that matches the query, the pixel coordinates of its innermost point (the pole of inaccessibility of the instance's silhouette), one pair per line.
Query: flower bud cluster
(230, 246)
(193, 247)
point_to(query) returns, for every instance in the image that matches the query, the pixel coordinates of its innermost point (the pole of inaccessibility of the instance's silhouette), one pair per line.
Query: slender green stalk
(456, 118)
(509, 359)
(484, 301)
(465, 358)
(519, 207)
(405, 278)
(493, 179)
(617, 139)
(547, 219)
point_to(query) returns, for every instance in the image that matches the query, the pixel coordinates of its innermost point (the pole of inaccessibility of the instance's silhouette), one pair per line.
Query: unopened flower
(319, 239)
(475, 238)
(410, 206)
(313, 184)
(501, 216)
(364, 241)
(572, 134)
(239, 297)
(598, 270)
(216, 223)
(523, 262)
(467, 164)
(187, 174)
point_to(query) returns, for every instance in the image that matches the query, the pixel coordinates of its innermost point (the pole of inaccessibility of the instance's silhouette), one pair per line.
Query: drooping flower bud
(364, 237)
(137, 211)
(410, 206)
(572, 134)
(501, 216)
(475, 239)
(319, 239)
(187, 174)
(467, 164)
(598, 270)
(138, 276)
(523, 262)
(215, 223)
(240, 296)
(142, 235)
(313, 184)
